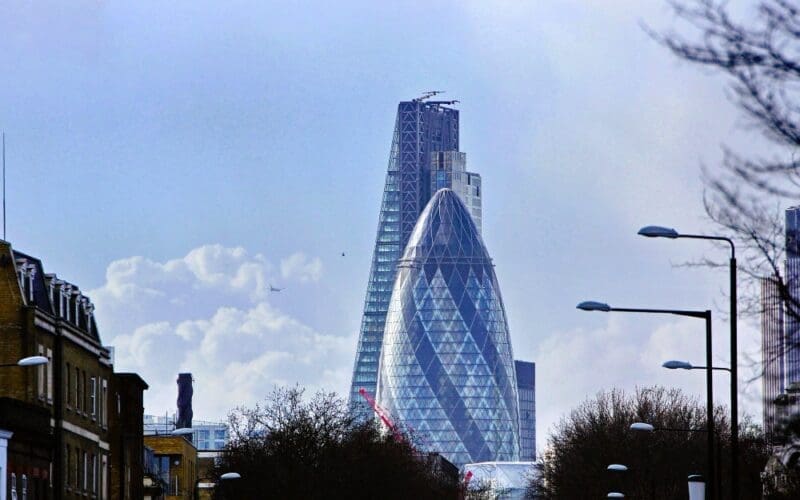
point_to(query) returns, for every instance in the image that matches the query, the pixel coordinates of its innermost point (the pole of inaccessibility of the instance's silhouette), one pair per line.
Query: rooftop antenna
(4, 185)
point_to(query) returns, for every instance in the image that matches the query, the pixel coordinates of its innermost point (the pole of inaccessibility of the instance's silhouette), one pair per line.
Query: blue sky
(173, 159)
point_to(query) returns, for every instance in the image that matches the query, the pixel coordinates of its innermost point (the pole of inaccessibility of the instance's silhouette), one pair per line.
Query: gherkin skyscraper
(447, 367)
(422, 128)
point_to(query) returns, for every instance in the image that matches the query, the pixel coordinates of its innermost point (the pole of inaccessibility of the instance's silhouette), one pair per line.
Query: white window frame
(93, 397)
(40, 373)
(104, 402)
(49, 370)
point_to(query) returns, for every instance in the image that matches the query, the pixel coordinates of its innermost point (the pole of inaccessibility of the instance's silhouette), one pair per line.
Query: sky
(175, 159)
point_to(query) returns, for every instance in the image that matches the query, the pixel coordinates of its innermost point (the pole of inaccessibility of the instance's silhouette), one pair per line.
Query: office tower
(792, 312)
(771, 352)
(447, 367)
(526, 388)
(422, 128)
(780, 333)
(449, 170)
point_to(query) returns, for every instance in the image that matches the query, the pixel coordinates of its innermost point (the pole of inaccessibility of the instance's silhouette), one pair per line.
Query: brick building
(176, 459)
(127, 445)
(58, 414)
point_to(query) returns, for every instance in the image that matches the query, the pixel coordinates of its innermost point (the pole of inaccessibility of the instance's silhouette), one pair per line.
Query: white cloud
(207, 313)
(300, 267)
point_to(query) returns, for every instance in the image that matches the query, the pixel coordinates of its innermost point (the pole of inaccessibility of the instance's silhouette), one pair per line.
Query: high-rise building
(526, 388)
(780, 333)
(792, 312)
(449, 170)
(447, 366)
(771, 352)
(421, 128)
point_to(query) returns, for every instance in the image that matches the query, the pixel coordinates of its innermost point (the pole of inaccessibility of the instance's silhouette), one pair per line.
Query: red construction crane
(381, 413)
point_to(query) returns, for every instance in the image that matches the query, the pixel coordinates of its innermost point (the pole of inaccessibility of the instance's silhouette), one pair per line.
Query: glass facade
(772, 352)
(526, 387)
(421, 127)
(449, 170)
(780, 331)
(447, 367)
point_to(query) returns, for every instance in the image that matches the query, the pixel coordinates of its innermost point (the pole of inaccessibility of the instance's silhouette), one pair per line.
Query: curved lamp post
(666, 232)
(591, 305)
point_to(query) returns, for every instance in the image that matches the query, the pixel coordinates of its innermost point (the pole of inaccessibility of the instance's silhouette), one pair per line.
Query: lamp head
(615, 494)
(617, 467)
(183, 431)
(591, 305)
(674, 364)
(32, 361)
(230, 475)
(658, 232)
(642, 426)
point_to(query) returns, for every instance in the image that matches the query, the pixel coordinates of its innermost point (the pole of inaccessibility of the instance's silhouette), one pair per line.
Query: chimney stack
(185, 392)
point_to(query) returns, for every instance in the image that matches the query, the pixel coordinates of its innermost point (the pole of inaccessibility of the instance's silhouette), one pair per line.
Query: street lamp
(666, 232)
(645, 427)
(685, 365)
(617, 468)
(29, 361)
(697, 487)
(615, 494)
(706, 315)
(641, 426)
(227, 477)
(182, 431)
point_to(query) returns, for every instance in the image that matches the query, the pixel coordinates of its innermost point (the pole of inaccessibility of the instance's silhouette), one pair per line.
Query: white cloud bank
(209, 313)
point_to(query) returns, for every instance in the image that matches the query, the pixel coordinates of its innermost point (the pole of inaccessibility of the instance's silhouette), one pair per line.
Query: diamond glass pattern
(446, 367)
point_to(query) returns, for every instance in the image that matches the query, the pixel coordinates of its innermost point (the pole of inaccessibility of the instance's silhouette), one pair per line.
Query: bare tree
(597, 434)
(290, 447)
(746, 195)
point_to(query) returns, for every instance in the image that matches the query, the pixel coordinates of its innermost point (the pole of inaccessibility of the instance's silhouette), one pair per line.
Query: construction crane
(428, 95)
(381, 413)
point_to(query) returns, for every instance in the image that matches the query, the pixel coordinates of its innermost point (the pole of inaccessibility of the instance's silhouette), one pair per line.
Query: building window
(63, 310)
(49, 368)
(93, 397)
(13, 486)
(67, 468)
(68, 385)
(127, 481)
(85, 470)
(40, 374)
(104, 478)
(85, 391)
(104, 403)
(77, 389)
(76, 303)
(93, 481)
